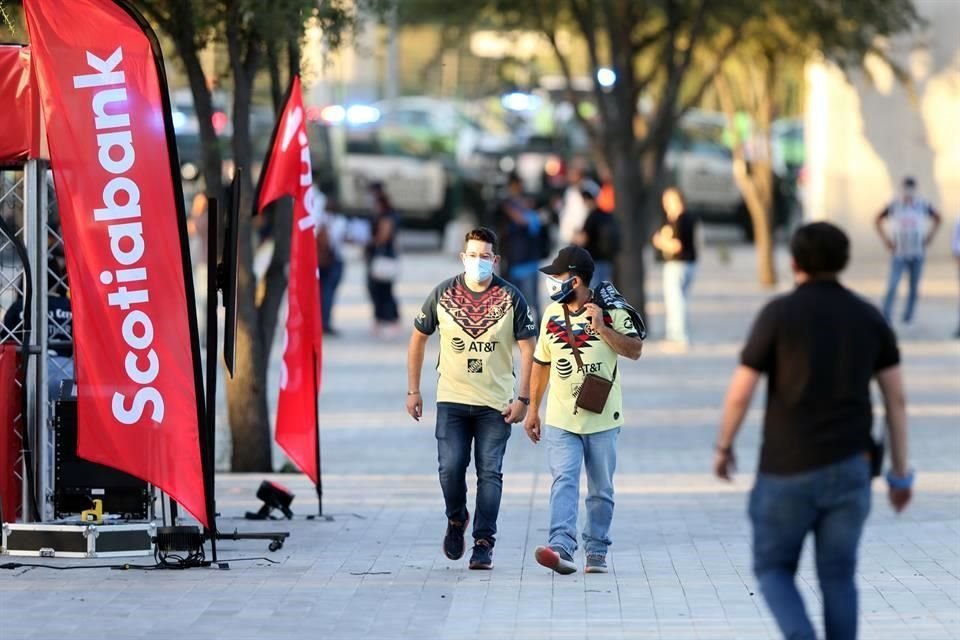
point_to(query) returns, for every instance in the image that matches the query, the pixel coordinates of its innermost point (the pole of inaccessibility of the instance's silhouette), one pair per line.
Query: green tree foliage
(782, 34)
(254, 32)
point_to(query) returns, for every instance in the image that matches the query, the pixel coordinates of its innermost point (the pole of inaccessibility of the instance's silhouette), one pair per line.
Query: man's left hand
(724, 464)
(595, 316)
(515, 413)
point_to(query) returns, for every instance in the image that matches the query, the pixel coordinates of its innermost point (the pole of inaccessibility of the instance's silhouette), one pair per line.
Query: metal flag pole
(316, 417)
(208, 432)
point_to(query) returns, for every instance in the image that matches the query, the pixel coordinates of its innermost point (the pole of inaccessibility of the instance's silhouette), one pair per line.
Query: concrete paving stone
(680, 564)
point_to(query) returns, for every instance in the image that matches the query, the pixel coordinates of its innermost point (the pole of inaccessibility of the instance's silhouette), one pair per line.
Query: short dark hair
(482, 234)
(820, 248)
(909, 181)
(585, 276)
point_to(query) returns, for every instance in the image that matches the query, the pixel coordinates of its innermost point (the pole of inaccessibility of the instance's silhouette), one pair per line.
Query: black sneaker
(453, 545)
(482, 556)
(556, 559)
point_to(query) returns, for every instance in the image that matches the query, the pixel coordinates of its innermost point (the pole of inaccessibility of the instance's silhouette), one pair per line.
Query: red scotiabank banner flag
(104, 101)
(288, 173)
(17, 100)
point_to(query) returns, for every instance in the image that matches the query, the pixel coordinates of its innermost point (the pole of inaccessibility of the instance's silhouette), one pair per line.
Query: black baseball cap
(571, 259)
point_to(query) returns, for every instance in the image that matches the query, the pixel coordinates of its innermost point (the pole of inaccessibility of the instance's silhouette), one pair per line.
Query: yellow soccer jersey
(477, 335)
(554, 350)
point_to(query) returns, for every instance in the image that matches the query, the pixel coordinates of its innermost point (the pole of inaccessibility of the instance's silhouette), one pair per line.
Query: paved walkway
(680, 561)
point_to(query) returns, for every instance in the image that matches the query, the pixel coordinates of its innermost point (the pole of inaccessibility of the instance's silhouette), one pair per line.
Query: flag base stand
(222, 278)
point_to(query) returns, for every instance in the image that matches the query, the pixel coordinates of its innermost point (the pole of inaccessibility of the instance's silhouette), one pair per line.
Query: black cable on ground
(174, 563)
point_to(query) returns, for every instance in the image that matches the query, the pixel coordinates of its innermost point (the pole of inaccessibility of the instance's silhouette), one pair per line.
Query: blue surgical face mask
(560, 290)
(477, 269)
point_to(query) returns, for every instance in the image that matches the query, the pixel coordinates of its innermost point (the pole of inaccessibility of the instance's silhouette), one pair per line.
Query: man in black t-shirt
(820, 346)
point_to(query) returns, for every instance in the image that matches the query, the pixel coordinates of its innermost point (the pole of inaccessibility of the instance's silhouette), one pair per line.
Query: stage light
(606, 77)
(274, 496)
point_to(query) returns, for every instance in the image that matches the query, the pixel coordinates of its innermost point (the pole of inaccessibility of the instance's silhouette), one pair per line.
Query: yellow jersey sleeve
(621, 322)
(542, 353)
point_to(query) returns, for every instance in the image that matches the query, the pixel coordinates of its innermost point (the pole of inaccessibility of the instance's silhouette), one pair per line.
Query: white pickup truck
(433, 161)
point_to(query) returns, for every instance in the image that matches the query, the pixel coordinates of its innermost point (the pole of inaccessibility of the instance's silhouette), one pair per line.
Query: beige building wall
(866, 130)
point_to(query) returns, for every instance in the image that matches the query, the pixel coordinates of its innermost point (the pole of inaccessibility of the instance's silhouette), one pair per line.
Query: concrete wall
(865, 131)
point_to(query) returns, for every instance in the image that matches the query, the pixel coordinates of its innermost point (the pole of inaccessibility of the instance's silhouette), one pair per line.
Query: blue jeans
(833, 503)
(457, 426)
(602, 272)
(598, 452)
(329, 281)
(913, 267)
(526, 278)
(677, 278)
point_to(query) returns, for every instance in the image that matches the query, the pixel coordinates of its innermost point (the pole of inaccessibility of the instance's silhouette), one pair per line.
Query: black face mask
(561, 291)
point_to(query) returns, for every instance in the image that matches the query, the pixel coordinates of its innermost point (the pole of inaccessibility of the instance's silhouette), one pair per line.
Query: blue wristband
(897, 482)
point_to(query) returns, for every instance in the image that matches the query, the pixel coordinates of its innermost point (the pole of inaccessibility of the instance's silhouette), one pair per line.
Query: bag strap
(573, 343)
(571, 338)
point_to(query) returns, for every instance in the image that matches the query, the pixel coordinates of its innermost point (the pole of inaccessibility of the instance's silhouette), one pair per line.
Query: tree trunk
(629, 191)
(756, 186)
(180, 26)
(246, 391)
(274, 284)
(203, 104)
(757, 191)
(276, 87)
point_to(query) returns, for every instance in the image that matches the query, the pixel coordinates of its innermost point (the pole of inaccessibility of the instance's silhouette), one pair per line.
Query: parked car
(701, 160)
(435, 161)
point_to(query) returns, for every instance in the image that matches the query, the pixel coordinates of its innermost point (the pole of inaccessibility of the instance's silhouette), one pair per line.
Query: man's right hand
(890, 245)
(899, 498)
(415, 406)
(532, 425)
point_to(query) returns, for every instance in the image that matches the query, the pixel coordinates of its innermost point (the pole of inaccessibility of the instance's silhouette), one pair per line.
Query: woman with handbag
(383, 265)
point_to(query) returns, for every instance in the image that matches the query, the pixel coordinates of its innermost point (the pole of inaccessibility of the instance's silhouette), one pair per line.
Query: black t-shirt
(603, 235)
(820, 346)
(684, 228)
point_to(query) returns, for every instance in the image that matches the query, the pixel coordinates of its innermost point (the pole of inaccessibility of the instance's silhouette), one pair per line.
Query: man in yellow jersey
(579, 339)
(480, 317)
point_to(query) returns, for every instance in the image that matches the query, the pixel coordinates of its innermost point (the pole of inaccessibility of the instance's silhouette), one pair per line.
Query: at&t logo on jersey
(458, 345)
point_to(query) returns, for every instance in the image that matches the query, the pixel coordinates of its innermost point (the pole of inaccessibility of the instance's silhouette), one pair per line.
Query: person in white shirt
(956, 254)
(907, 226)
(573, 212)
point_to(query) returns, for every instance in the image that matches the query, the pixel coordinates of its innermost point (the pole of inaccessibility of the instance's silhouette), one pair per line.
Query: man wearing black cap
(577, 355)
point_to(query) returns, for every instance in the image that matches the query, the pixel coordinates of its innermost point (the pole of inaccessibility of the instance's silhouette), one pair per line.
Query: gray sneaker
(595, 564)
(556, 559)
